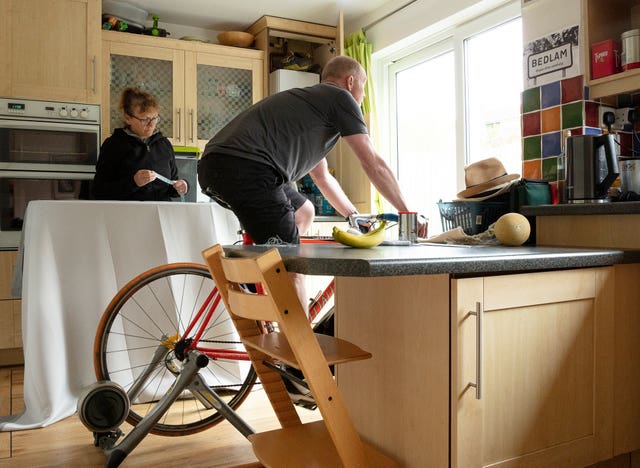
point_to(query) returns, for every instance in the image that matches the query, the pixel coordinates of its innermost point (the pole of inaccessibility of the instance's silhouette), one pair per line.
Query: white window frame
(385, 66)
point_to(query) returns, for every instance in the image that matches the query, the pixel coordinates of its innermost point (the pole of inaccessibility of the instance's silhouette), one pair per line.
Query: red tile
(572, 89)
(591, 114)
(626, 144)
(531, 124)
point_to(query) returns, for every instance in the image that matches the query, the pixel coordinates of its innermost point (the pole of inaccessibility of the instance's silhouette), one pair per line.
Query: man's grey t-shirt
(291, 131)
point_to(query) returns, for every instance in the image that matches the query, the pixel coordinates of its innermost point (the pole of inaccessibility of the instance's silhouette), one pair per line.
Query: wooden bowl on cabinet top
(235, 38)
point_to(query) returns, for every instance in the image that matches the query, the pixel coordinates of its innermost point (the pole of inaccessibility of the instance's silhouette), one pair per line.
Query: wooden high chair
(332, 441)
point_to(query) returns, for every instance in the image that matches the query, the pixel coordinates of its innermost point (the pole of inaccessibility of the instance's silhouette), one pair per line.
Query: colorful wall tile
(549, 110)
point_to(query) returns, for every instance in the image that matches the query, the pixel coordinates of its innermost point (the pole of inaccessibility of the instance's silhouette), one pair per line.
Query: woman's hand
(143, 177)
(181, 186)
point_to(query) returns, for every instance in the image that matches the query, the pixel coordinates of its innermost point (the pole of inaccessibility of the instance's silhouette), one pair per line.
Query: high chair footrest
(306, 445)
(335, 350)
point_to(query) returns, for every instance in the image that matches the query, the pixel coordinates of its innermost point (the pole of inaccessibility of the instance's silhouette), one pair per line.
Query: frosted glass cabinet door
(217, 88)
(222, 94)
(152, 75)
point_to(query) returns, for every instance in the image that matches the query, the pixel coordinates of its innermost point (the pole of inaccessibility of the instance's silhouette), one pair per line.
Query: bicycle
(154, 322)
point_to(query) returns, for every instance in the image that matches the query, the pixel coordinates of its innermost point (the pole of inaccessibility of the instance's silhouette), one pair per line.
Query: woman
(134, 160)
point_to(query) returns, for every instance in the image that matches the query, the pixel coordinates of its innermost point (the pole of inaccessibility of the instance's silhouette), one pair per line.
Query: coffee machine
(591, 168)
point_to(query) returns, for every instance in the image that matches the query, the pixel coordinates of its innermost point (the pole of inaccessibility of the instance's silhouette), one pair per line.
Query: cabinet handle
(478, 383)
(179, 123)
(192, 131)
(93, 63)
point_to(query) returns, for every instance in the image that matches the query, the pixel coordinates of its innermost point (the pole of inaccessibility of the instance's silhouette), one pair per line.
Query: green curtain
(357, 47)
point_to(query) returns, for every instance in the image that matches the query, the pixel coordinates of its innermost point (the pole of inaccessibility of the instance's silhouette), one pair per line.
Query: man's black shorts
(256, 193)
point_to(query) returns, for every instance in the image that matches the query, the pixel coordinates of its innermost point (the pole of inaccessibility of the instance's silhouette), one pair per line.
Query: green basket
(472, 217)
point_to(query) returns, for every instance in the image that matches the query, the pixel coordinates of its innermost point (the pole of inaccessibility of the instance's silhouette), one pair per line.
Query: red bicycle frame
(212, 301)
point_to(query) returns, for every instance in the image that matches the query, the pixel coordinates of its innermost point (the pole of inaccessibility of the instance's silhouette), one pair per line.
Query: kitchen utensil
(591, 168)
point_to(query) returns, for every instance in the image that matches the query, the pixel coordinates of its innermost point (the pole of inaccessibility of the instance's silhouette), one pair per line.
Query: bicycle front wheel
(134, 347)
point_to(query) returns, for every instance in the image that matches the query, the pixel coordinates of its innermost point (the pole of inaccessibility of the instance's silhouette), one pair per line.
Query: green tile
(572, 115)
(531, 99)
(550, 169)
(532, 148)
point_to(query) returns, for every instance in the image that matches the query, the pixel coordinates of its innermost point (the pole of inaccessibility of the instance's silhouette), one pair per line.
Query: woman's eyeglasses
(148, 121)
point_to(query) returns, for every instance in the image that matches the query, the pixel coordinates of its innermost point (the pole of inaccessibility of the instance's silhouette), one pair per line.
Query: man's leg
(304, 216)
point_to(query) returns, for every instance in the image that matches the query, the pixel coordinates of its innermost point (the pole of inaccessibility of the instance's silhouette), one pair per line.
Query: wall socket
(625, 118)
(601, 111)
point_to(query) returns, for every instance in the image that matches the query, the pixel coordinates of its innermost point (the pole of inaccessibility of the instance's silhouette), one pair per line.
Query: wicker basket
(472, 217)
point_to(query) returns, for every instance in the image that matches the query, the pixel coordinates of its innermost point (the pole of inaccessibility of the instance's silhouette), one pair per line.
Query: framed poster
(552, 58)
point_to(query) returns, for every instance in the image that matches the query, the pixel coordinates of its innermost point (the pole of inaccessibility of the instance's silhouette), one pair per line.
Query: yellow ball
(512, 229)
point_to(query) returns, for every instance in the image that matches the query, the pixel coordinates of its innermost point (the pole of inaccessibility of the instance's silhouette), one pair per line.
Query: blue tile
(592, 131)
(550, 95)
(586, 93)
(551, 144)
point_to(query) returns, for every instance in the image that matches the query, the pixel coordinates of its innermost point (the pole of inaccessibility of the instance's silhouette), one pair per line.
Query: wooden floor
(68, 443)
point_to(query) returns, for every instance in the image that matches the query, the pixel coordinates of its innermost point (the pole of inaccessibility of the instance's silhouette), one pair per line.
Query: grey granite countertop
(582, 209)
(337, 260)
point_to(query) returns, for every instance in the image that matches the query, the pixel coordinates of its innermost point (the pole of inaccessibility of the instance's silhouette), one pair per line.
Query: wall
(555, 106)
(556, 102)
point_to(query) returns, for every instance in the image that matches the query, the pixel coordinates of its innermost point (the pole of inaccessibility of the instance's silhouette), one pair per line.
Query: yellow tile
(550, 120)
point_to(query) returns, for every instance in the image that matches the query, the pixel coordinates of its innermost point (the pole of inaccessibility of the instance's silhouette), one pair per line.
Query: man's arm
(381, 176)
(377, 170)
(331, 189)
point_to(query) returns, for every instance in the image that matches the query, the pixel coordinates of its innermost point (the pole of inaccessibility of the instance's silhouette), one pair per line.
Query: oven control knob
(63, 112)
(84, 113)
(74, 112)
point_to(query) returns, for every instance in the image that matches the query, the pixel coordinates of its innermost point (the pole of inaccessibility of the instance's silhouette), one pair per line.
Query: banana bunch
(360, 241)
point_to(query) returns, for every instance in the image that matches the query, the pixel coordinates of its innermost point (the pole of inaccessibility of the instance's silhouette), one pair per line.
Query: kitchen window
(449, 100)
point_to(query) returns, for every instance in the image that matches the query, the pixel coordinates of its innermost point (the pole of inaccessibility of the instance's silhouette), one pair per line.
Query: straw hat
(485, 179)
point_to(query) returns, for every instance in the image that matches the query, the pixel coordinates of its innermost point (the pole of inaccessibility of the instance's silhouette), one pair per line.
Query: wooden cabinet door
(49, 50)
(158, 70)
(10, 326)
(545, 369)
(217, 88)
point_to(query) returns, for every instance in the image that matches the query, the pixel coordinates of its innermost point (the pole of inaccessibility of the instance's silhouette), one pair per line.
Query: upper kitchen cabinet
(602, 20)
(293, 44)
(49, 50)
(201, 87)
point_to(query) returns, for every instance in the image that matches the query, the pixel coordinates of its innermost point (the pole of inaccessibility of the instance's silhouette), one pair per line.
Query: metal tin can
(630, 56)
(408, 226)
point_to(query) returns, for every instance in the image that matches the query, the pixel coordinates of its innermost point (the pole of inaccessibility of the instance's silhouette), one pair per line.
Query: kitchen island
(541, 355)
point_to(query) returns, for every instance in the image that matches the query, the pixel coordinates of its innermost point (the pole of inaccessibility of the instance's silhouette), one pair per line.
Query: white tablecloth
(77, 254)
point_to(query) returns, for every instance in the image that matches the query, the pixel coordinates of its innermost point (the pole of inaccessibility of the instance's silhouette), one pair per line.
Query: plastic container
(472, 217)
(630, 56)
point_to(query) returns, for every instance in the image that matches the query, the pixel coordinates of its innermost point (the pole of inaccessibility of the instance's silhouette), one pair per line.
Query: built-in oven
(48, 151)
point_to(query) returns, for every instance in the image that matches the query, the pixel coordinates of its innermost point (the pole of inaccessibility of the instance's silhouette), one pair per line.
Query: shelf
(624, 82)
(335, 350)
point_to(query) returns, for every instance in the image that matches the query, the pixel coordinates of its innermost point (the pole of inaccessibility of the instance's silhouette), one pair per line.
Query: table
(77, 254)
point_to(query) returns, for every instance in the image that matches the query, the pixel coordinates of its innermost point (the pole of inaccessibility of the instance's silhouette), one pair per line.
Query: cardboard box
(605, 58)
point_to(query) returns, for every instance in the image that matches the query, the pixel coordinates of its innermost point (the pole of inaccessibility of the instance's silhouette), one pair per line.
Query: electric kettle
(591, 167)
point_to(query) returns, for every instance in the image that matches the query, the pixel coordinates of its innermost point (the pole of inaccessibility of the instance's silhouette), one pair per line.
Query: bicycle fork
(188, 378)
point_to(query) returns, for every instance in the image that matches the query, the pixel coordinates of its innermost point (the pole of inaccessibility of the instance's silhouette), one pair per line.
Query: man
(250, 164)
